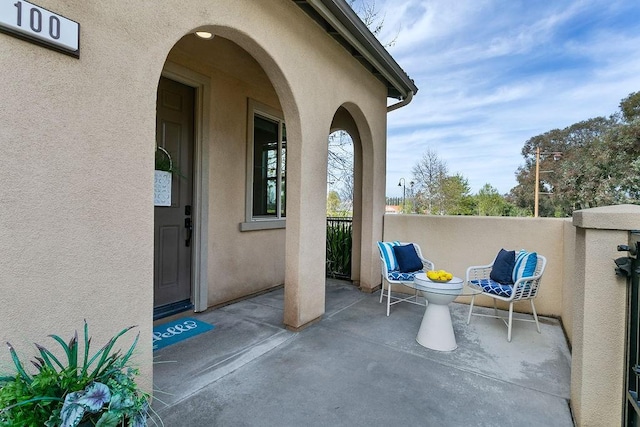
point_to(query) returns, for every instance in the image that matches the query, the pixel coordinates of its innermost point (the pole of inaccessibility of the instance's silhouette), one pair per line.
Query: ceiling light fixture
(204, 35)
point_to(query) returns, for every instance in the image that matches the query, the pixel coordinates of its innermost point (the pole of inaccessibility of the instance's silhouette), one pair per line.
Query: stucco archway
(349, 117)
(234, 76)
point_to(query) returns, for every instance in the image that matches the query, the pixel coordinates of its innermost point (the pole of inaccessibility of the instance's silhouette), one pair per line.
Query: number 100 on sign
(39, 24)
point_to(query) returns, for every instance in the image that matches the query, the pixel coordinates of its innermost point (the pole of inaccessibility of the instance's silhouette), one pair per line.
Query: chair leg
(473, 298)
(510, 321)
(495, 308)
(382, 290)
(388, 297)
(535, 315)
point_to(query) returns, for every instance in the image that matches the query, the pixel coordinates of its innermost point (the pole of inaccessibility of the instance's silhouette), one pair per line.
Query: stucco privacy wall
(600, 319)
(569, 279)
(77, 140)
(454, 243)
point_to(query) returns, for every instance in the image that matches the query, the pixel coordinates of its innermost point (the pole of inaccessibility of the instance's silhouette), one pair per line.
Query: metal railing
(630, 267)
(339, 244)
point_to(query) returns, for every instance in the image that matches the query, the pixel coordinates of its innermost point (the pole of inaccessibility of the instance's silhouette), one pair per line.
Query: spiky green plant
(339, 243)
(95, 391)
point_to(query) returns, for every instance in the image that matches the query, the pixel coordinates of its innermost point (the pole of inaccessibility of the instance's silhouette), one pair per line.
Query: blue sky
(493, 73)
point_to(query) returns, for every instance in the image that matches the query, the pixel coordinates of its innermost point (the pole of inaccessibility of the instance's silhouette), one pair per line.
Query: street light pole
(402, 184)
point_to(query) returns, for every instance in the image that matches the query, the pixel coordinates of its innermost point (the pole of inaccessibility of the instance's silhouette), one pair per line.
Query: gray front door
(173, 224)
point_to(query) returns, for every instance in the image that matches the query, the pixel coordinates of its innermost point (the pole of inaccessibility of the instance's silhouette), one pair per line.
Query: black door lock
(189, 226)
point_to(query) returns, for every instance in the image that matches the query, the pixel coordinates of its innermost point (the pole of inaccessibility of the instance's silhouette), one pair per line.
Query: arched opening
(344, 198)
(232, 176)
(238, 174)
(229, 156)
(340, 196)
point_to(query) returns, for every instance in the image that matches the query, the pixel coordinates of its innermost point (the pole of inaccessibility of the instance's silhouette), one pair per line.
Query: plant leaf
(64, 346)
(126, 357)
(19, 367)
(5, 379)
(71, 413)
(94, 397)
(106, 350)
(140, 418)
(48, 357)
(32, 400)
(38, 363)
(87, 344)
(73, 349)
(109, 419)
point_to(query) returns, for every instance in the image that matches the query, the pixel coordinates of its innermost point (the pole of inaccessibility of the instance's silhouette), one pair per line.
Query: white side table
(436, 329)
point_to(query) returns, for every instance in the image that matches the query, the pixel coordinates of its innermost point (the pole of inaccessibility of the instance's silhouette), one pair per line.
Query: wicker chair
(391, 275)
(523, 288)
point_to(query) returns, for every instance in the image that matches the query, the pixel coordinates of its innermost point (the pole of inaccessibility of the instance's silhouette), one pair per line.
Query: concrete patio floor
(358, 367)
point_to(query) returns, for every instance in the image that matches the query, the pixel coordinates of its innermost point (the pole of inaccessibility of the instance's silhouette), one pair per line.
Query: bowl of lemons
(440, 276)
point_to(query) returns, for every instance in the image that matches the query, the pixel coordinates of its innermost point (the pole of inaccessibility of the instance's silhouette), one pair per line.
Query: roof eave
(344, 23)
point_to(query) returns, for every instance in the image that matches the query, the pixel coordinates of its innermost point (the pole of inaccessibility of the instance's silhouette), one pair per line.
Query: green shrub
(83, 390)
(339, 243)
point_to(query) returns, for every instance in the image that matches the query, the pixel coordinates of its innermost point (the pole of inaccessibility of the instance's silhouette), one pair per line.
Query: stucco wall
(77, 137)
(454, 243)
(570, 282)
(600, 320)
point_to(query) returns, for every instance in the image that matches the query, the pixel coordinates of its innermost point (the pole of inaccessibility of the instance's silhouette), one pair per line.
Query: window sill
(267, 224)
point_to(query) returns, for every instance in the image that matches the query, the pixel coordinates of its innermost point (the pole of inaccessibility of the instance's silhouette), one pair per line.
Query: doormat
(178, 330)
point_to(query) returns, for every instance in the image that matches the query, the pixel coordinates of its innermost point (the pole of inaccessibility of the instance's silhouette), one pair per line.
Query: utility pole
(536, 193)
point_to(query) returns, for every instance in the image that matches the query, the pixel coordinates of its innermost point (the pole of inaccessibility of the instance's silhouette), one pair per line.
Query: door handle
(189, 226)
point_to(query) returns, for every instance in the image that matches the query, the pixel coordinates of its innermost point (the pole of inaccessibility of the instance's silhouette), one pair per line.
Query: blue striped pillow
(525, 265)
(386, 250)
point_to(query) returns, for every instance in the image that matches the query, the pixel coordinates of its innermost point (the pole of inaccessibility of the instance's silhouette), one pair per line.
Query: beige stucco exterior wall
(454, 243)
(77, 137)
(569, 279)
(599, 323)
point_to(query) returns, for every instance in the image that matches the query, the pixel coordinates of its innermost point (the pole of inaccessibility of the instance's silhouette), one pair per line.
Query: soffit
(339, 21)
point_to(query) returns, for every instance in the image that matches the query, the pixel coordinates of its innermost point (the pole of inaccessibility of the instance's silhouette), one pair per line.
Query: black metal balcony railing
(339, 243)
(630, 267)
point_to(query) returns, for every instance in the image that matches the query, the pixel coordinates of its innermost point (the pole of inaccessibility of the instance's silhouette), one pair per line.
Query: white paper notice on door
(162, 189)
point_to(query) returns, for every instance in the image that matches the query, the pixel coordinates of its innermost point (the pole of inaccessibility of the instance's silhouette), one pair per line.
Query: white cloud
(494, 74)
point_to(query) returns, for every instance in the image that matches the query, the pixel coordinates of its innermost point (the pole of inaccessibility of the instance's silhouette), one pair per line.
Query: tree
(558, 146)
(630, 107)
(457, 199)
(333, 203)
(592, 163)
(489, 202)
(606, 173)
(340, 166)
(370, 15)
(428, 177)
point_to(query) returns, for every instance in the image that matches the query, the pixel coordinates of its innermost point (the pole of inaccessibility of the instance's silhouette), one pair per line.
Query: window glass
(283, 172)
(269, 167)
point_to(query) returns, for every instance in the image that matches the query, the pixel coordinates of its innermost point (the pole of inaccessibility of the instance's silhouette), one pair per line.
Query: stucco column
(374, 166)
(599, 328)
(304, 289)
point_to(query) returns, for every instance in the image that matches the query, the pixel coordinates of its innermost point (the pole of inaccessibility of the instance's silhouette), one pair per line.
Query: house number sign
(39, 25)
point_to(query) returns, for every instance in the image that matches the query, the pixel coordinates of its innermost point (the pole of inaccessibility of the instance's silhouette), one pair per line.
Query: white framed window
(266, 168)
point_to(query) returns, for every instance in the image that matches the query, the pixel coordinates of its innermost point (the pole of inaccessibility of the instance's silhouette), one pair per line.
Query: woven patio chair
(400, 262)
(525, 275)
